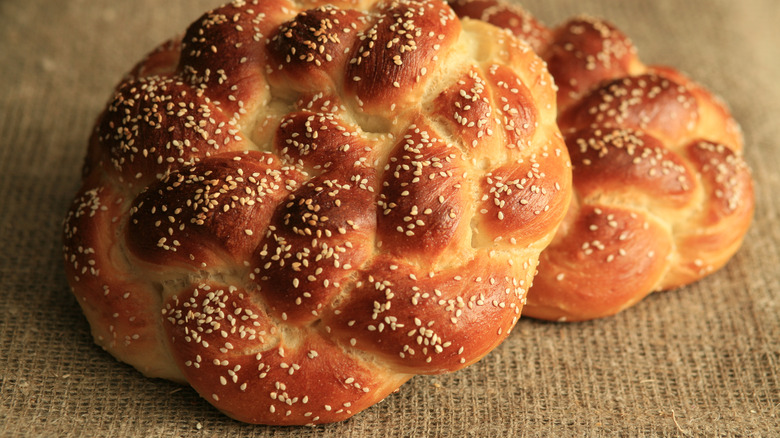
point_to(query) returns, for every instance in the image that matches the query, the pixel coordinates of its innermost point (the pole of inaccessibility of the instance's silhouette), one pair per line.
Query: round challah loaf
(662, 197)
(296, 207)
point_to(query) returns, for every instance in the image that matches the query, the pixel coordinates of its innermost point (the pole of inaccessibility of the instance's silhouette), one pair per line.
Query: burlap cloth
(704, 360)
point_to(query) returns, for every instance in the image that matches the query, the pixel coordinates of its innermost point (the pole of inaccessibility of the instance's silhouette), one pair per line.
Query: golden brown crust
(503, 15)
(424, 196)
(646, 102)
(585, 51)
(629, 162)
(224, 52)
(598, 266)
(405, 42)
(663, 196)
(431, 321)
(156, 124)
(522, 197)
(121, 305)
(297, 207)
(213, 211)
(301, 380)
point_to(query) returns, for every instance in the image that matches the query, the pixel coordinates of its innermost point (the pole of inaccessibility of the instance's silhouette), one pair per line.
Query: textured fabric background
(704, 360)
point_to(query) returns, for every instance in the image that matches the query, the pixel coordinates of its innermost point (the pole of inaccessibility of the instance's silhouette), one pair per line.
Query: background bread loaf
(663, 196)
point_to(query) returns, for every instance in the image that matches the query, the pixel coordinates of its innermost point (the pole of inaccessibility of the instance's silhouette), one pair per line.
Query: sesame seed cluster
(663, 196)
(295, 207)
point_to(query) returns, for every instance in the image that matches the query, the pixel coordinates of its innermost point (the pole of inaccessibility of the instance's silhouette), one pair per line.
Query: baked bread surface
(663, 196)
(297, 206)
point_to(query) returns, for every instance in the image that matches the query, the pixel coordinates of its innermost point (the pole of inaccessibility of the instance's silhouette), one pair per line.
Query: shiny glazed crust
(663, 196)
(296, 207)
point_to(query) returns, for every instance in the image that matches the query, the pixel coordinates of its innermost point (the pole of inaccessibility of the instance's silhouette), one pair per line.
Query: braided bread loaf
(296, 207)
(663, 196)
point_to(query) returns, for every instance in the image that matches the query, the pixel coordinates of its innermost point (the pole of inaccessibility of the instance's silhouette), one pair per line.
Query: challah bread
(296, 207)
(662, 197)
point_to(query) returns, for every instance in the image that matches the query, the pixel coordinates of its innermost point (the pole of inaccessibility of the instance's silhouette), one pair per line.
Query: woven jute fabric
(700, 361)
